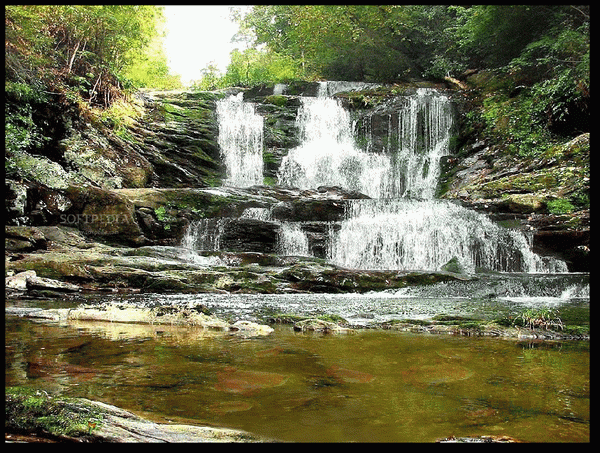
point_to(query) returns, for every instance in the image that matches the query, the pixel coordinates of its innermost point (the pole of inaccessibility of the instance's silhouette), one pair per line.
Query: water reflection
(370, 386)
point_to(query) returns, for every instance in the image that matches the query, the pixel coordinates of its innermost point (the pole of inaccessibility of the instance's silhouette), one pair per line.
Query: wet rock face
(249, 235)
(178, 137)
(138, 217)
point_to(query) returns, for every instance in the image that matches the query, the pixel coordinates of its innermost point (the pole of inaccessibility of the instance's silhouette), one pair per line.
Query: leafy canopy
(92, 50)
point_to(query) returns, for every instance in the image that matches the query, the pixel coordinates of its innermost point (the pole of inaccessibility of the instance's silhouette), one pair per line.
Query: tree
(353, 42)
(87, 48)
(252, 67)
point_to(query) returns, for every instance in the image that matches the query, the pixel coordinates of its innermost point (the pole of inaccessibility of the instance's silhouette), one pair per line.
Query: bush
(560, 206)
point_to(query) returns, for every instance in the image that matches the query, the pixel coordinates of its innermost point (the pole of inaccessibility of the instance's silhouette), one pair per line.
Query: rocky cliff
(142, 184)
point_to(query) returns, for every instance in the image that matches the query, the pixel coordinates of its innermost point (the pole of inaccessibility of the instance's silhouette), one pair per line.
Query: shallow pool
(369, 386)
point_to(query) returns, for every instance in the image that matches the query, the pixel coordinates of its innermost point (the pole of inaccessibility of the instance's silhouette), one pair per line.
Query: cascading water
(402, 227)
(328, 155)
(292, 240)
(241, 141)
(423, 139)
(427, 235)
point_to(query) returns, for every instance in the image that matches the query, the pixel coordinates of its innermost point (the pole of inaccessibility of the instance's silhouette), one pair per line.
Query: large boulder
(103, 213)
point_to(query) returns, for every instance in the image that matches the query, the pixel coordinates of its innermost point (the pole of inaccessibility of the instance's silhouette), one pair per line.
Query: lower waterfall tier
(404, 234)
(431, 235)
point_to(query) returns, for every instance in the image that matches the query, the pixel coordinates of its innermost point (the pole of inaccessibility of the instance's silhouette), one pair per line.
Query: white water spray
(328, 155)
(423, 139)
(407, 234)
(241, 141)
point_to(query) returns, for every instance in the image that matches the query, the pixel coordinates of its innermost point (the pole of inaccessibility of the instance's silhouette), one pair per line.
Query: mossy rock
(35, 412)
(524, 203)
(103, 213)
(278, 100)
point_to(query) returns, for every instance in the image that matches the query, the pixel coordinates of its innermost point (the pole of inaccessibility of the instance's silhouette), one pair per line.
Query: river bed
(371, 385)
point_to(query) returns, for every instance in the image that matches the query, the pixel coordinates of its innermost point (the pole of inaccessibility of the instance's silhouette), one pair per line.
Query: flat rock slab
(122, 426)
(94, 421)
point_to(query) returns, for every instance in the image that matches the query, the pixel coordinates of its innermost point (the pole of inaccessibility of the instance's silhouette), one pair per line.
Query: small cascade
(403, 228)
(241, 141)
(292, 240)
(328, 154)
(206, 234)
(407, 234)
(423, 139)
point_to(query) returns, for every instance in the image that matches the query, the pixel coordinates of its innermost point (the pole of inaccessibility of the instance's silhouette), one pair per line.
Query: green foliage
(532, 318)
(543, 317)
(249, 68)
(252, 67)
(164, 217)
(20, 131)
(396, 42)
(351, 42)
(511, 122)
(493, 35)
(149, 67)
(119, 116)
(211, 79)
(35, 410)
(560, 206)
(561, 104)
(93, 50)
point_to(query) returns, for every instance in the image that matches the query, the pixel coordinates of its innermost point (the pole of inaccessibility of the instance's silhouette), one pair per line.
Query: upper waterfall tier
(329, 155)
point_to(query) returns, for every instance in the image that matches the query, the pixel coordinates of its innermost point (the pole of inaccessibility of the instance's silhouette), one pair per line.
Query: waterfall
(205, 234)
(292, 240)
(423, 139)
(408, 234)
(403, 226)
(328, 155)
(241, 141)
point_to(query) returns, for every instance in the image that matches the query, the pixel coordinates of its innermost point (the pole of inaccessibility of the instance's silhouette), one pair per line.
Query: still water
(368, 386)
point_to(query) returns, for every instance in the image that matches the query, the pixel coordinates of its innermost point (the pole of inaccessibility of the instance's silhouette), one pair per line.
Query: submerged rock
(128, 313)
(320, 326)
(346, 376)
(247, 382)
(249, 329)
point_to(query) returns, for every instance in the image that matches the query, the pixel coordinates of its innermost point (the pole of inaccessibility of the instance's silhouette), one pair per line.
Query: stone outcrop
(61, 419)
(70, 258)
(523, 191)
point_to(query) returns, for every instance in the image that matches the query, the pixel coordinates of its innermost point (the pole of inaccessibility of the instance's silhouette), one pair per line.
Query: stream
(371, 385)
